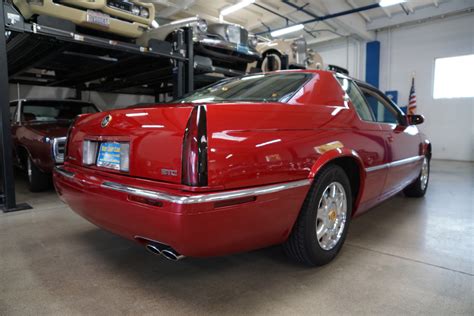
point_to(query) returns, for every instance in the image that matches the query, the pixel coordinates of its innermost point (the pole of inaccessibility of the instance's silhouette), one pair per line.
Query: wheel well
(352, 170)
(270, 51)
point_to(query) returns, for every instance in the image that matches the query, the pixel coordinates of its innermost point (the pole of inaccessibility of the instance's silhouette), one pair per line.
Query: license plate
(98, 18)
(109, 155)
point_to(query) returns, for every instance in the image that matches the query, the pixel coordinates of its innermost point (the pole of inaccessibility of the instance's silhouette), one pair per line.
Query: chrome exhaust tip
(172, 255)
(153, 249)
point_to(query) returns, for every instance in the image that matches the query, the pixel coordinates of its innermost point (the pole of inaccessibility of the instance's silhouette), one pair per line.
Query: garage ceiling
(361, 25)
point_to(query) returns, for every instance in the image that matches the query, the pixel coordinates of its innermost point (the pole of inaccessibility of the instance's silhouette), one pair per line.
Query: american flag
(412, 98)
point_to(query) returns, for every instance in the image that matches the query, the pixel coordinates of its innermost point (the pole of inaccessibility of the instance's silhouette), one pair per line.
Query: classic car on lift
(126, 18)
(39, 128)
(226, 45)
(298, 55)
(285, 157)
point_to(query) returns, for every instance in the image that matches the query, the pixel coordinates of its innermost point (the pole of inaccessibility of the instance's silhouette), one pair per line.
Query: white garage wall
(346, 53)
(413, 49)
(103, 100)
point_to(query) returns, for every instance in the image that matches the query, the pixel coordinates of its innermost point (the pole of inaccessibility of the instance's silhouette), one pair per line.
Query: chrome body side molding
(394, 163)
(205, 197)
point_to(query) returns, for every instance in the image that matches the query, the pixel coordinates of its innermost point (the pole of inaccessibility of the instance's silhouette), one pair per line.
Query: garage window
(453, 77)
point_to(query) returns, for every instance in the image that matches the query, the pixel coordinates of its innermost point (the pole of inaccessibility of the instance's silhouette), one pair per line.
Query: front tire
(271, 61)
(37, 180)
(322, 225)
(420, 185)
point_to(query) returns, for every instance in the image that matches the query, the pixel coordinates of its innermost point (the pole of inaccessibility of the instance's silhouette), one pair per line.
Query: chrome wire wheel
(425, 173)
(331, 216)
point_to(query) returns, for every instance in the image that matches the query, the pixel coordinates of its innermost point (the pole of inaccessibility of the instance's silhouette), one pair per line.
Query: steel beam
(189, 66)
(8, 198)
(178, 69)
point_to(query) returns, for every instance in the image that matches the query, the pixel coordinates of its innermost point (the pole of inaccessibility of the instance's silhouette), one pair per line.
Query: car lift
(51, 53)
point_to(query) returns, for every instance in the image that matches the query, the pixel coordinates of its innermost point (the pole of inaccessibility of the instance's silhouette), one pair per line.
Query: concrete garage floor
(407, 256)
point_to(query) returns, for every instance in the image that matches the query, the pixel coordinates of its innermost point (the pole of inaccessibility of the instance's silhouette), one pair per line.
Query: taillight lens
(68, 136)
(195, 149)
(89, 152)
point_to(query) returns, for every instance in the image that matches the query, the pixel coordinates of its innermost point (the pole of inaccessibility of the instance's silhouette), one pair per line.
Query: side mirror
(415, 119)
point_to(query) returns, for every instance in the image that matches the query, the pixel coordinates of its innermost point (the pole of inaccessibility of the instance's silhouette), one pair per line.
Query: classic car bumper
(121, 23)
(223, 50)
(194, 224)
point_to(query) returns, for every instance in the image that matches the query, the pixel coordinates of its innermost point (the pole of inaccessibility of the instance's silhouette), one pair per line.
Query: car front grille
(121, 5)
(300, 52)
(237, 35)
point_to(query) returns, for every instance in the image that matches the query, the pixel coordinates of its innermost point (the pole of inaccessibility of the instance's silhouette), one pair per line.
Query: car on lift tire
(37, 180)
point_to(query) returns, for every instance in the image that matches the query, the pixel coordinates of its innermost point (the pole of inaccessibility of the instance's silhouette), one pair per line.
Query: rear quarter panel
(252, 145)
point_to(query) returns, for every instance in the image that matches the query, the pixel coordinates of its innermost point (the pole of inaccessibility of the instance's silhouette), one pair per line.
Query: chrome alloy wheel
(331, 216)
(425, 173)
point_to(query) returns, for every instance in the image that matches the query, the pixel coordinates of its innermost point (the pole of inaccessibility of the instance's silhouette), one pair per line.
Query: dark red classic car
(39, 129)
(287, 157)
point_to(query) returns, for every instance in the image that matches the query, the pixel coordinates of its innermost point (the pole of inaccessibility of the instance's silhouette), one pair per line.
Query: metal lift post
(7, 193)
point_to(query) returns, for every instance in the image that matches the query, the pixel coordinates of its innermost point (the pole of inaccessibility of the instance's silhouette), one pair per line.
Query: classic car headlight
(253, 41)
(136, 10)
(144, 13)
(202, 26)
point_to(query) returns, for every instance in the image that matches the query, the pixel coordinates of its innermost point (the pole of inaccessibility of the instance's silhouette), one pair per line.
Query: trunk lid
(154, 134)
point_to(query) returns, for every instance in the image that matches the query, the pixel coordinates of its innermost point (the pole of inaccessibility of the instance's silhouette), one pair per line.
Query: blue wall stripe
(372, 63)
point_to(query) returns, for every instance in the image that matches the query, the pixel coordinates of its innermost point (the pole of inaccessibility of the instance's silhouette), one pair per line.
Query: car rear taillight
(195, 149)
(68, 135)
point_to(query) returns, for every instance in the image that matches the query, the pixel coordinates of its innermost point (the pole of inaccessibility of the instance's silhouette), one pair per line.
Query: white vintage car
(227, 45)
(273, 52)
(126, 18)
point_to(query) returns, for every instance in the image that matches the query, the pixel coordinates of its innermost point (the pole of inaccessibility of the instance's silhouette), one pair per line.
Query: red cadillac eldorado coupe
(285, 157)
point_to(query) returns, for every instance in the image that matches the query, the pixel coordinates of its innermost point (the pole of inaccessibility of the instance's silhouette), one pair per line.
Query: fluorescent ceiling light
(387, 3)
(287, 30)
(236, 7)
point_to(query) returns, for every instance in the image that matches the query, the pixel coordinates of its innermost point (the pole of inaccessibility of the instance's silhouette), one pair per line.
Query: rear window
(256, 88)
(54, 110)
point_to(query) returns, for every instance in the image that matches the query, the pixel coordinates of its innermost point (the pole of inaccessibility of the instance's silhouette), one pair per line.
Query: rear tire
(323, 222)
(420, 185)
(37, 180)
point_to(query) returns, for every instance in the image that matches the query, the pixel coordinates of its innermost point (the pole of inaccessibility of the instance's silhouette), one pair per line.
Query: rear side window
(383, 112)
(45, 110)
(357, 99)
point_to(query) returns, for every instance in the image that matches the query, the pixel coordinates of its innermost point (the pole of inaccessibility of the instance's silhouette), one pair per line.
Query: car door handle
(390, 138)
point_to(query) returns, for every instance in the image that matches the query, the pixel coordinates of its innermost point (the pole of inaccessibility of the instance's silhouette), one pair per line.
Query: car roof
(358, 81)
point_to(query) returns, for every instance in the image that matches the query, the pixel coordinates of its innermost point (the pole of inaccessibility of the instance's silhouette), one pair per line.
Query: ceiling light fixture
(236, 7)
(286, 30)
(387, 3)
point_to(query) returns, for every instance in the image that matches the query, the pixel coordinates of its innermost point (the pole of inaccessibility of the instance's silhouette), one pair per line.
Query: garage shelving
(50, 53)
